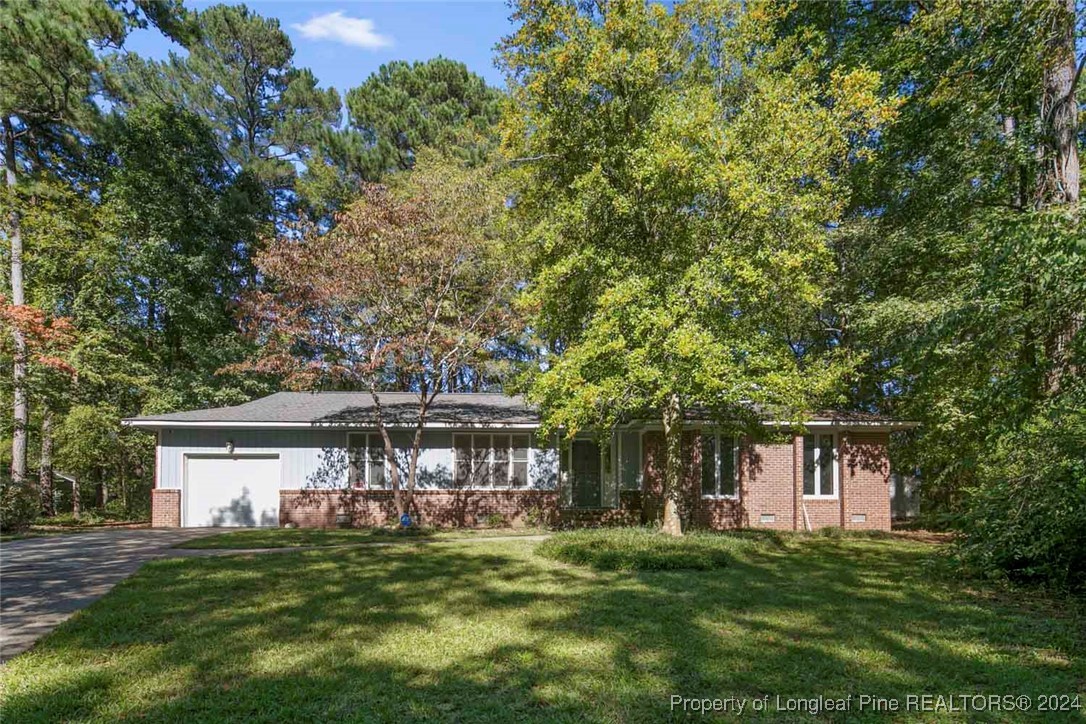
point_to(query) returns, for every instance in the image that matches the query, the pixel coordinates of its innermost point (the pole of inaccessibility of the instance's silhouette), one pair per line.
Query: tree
(960, 264)
(438, 103)
(51, 73)
(89, 446)
(239, 76)
(398, 110)
(678, 171)
(410, 285)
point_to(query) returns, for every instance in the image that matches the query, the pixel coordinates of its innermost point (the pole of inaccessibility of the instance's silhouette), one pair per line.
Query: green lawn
(490, 631)
(304, 537)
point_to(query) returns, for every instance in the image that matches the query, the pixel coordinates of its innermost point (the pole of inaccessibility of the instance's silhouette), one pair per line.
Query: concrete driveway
(45, 580)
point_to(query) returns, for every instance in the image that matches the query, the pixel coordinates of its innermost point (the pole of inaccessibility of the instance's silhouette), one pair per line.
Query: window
(718, 465)
(366, 453)
(629, 459)
(819, 471)
(490, 461)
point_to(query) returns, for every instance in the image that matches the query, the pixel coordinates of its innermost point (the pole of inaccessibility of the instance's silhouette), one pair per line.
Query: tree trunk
(45, 474)
(76, 507)
(673, 471)
(1061, 171)
(1059, 114)
(18, 298)
(413, 465)
(390, 453)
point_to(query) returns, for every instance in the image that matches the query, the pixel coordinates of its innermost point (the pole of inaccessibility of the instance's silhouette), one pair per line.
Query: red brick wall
(770, 483)
(865, 478)
(440, 508)
(165, 508)
(767, 485)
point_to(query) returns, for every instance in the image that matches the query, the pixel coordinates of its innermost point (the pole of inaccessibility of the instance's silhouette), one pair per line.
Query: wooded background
(869, 206)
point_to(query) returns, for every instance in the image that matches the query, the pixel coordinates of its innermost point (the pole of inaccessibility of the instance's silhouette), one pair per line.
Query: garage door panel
(232, 491)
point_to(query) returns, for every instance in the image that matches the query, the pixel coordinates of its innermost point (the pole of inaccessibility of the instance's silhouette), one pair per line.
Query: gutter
(842, 424)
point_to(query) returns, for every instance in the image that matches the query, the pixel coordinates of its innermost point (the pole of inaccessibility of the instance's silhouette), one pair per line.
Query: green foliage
(640, 549)
(438, 103)
(88, 440)
(1026, 519)
(239, 76)
(677, 174)
(961, 268)
(495, 520)
(19, 506)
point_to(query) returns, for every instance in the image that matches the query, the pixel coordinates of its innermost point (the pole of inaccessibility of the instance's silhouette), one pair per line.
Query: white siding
(318, 458)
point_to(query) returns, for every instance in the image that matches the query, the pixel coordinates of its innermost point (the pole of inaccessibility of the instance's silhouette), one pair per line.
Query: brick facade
(441, 508)
(770, 484)
(165, 508)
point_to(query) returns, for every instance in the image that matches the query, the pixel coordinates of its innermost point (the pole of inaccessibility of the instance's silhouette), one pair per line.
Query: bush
(19, 506)
(640, 549)
(1027, 519)
(495, 520)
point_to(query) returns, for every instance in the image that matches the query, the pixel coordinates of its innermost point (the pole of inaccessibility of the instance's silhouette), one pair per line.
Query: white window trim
(818, 469)
(717, 451)
(490, 457)
(365, 435)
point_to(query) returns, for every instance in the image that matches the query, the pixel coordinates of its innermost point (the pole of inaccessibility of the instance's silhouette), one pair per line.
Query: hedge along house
(316, 459)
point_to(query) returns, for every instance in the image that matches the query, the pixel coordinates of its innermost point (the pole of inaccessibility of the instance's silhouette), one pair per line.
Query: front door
(586, 473)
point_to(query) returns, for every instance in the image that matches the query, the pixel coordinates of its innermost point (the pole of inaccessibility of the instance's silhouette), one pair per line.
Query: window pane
(727, 466)
(708, 464)
(808, 465)
(376, 449)
(499, 474)
(480, 460)
(520, 475)
(356, 459)
(462, 455)
(631, 461)
(377, 475)
(825, 459)
(375, 455)
(520, 448)
(501, 448)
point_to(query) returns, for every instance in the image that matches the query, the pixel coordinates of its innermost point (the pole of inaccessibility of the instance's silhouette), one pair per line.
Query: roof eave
(219, 424)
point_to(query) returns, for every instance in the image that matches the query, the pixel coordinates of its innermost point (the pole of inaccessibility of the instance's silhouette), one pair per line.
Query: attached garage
(230, 491)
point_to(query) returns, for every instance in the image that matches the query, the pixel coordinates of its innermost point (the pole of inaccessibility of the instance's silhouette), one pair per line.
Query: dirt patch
(925, 536)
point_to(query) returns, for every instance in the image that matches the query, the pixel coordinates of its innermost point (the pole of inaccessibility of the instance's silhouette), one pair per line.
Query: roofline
(873, 425)
(156, 424)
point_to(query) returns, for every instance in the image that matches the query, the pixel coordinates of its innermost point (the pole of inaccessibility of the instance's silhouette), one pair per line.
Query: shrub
(494, 520)
(1027, 518)
(19, 506)
(639, 549)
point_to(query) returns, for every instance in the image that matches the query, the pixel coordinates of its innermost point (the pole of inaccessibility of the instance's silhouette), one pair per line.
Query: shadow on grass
(492, 633)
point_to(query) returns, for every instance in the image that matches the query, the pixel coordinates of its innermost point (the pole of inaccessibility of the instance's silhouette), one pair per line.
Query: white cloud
(359, 32)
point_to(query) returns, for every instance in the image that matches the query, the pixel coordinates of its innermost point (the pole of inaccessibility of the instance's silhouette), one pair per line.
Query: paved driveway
(45, 580)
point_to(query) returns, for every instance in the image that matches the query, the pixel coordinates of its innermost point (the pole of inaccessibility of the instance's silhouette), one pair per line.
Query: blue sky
(343, 42)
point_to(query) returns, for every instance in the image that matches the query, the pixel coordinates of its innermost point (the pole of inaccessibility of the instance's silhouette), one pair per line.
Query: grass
(492, 632)
(641, 549)
(315, 537)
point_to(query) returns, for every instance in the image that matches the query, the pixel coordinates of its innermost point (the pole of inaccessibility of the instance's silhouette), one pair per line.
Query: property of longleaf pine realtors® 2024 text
(937, 703)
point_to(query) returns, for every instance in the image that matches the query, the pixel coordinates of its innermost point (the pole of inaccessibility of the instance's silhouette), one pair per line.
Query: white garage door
(236, 490)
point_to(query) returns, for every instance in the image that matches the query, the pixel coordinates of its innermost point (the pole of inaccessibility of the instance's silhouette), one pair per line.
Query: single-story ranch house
(315, 459)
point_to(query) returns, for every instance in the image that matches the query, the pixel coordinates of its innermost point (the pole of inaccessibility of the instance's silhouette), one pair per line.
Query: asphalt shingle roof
(357, 407)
